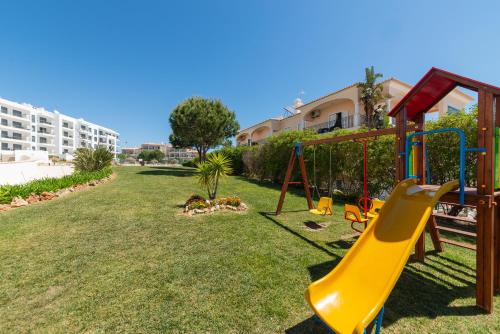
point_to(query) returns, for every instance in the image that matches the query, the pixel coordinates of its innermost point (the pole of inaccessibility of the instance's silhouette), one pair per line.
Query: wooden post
(485, 207)
(434, 232)
(496, 238)
(400, 144)
(284, 187)
(305, 179)
(420, 121)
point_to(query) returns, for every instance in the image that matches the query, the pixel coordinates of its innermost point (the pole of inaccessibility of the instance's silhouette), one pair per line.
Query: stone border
(18, 202)
(192, 212)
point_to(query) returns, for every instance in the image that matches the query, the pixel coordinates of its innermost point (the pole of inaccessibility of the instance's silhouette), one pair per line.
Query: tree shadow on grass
(169, 171)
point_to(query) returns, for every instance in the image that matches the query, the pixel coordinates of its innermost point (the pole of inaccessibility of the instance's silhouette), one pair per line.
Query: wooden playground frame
(433, 87)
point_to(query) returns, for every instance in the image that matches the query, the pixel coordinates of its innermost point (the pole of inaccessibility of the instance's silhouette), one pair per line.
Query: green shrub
(191, 163)
(90, 160)
(198, 205)
(233, 201)
(194, 198)
(269, 161)
(7, 192)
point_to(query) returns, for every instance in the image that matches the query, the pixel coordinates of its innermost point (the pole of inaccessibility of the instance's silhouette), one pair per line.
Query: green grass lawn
(122, 258)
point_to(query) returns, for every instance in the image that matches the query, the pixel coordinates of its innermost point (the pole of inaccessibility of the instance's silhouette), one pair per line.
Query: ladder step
(459, 244)
(457, 231)
(463, 219)
(456, 204)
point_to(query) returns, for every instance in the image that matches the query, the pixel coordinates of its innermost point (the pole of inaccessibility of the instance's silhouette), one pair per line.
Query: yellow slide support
(349, 298)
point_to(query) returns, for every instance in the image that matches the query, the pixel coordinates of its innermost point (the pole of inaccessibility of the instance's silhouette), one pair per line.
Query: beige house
(341, 109)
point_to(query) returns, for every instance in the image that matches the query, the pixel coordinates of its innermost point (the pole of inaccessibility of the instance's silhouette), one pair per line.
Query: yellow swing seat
(325, 207)
(375, 209)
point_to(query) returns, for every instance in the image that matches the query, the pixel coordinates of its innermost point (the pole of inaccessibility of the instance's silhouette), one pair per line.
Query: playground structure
(410, 135)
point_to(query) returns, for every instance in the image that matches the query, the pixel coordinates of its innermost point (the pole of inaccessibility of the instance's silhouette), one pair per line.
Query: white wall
(28, 155)
(22, 172)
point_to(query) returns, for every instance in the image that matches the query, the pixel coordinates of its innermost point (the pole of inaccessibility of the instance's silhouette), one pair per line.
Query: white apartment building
(24, 127)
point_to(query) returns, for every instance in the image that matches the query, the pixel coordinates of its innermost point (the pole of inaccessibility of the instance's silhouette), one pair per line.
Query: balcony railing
(12, 137)
(346, 123)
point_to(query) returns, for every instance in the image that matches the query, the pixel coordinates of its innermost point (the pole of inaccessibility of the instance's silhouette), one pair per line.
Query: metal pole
(365, 178)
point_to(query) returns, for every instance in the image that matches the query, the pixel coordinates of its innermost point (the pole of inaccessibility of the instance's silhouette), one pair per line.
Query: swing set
(369, 206)
(411, 163)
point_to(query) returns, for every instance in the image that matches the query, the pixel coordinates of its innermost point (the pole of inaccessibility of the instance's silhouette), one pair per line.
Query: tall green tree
(202, 124)
(370, 93)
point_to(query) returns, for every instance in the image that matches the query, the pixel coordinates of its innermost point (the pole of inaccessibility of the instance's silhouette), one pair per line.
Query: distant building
(179, 154)
(27, 128)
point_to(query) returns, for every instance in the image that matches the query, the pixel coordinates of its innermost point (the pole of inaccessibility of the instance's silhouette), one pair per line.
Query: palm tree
(211, 171)
(370, 94)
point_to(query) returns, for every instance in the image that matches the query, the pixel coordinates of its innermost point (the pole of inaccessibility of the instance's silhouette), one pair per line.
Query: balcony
(346, 123)
(15, 127)
(6, 137)
(45, 123)
(45, 132)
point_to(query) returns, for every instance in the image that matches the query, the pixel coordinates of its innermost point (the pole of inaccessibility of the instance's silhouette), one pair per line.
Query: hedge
(8, 192)
(269, 161)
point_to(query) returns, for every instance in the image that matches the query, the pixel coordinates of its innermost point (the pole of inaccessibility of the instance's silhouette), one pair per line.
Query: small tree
(370, 95)
(202, 124)
(211, 171)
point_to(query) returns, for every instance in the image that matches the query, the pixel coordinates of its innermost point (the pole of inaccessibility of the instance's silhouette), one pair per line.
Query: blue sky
(126, 64)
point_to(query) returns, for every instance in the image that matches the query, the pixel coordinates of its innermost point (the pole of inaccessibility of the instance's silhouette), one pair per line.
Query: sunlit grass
(122, 258)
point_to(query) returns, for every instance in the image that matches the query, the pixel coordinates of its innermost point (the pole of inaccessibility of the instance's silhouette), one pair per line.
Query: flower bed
(198, 205)
(49, 188)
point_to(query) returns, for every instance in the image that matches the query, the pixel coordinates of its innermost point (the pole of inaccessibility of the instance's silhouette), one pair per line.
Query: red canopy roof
(434, 86)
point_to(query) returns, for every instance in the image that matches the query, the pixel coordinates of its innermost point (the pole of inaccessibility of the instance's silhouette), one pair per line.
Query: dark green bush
(7, 193)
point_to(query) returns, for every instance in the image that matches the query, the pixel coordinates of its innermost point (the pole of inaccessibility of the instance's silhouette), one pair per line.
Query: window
(33, 139)
(65, 142)
(5, 146)
(17, 147)
(43, 149)
(5, 134)
(33, 148)
(43, 120)
(65, 125)
(43, 130)
(65, 150)
(452, 110)
(33, 118)
(17, 113)
(17, 125)
(16, 135)
(95, 132)
(4, 122)
(83, 127)
(4, 110)
(66, 134)
(33, 128)
(43, 140)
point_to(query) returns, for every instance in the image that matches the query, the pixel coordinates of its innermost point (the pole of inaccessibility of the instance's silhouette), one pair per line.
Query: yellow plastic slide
(350, 296)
